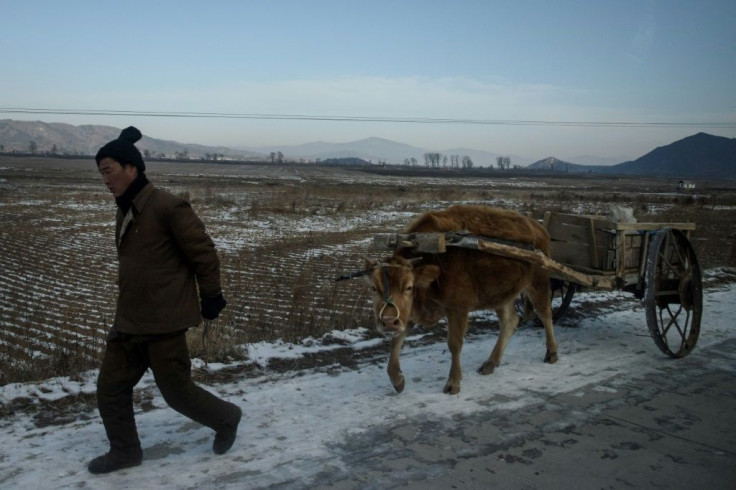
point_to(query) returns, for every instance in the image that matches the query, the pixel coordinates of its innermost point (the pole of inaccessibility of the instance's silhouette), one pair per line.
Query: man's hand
(211, 307)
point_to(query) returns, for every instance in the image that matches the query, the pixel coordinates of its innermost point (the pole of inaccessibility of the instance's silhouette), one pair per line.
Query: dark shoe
(225, 437)
(107, 463)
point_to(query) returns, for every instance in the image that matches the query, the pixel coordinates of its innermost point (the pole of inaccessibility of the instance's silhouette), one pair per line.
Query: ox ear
(425, 275)
(370, 264)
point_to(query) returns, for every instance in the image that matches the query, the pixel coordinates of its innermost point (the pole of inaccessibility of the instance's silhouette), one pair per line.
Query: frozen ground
(320, 427)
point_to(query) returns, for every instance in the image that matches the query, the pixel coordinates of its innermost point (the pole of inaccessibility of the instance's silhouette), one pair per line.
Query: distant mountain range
(60, 138)
(699, 156)
(378, 150)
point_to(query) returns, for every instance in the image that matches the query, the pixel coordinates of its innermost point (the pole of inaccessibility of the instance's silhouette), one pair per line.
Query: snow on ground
(294, 420)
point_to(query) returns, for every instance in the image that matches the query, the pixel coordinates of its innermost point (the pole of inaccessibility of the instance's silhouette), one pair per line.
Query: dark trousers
(124, 364)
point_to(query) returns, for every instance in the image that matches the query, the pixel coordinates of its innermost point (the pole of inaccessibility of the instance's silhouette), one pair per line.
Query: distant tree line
(503, 163)
(433, 160)
(438, 160)
(277, 157)
(32, 149)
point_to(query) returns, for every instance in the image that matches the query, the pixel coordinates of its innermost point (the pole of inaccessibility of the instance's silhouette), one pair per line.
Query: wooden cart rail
(596, 245)
(438, 243)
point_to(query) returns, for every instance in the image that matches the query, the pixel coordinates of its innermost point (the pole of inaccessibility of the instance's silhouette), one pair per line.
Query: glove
(211, 307)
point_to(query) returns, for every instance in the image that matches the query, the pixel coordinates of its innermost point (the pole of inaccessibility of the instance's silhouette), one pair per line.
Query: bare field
(284, 234)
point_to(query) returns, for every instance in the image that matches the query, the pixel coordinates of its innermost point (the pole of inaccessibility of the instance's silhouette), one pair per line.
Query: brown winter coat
(164, 253)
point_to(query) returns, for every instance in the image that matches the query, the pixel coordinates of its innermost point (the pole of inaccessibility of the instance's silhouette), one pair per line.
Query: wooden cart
(654, 261)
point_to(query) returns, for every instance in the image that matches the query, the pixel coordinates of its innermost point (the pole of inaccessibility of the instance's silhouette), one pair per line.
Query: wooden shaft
(537, 257)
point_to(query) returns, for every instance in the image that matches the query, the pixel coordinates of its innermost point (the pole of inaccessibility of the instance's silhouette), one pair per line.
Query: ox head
(398, 285)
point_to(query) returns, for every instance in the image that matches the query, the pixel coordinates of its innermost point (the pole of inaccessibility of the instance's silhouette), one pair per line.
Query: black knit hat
(123, 150)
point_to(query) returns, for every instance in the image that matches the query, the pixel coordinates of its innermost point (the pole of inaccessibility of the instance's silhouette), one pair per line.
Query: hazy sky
(515, 69)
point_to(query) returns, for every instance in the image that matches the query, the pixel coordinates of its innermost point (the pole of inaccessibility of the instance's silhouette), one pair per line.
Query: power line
(410, 120)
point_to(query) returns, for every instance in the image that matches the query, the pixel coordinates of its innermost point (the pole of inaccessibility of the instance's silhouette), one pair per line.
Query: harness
(353, 275)
(387, 301)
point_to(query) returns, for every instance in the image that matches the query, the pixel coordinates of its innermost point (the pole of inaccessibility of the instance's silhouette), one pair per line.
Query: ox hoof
(399, 385)
(452, 389)
(550, 357)
(487, 368)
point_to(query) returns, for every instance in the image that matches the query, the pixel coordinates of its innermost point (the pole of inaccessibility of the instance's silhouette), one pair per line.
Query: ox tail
(527, 309)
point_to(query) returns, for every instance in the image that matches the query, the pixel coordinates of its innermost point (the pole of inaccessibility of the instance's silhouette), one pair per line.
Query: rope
(387, 301)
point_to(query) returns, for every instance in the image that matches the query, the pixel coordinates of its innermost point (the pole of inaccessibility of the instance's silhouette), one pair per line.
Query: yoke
(433, 243)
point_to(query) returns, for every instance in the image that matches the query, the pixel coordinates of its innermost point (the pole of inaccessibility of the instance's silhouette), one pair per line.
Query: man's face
(115, 176)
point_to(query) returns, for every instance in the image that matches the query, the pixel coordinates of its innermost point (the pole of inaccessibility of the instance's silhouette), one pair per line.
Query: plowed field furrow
(18, 353)
(284, 233)
(49, 350)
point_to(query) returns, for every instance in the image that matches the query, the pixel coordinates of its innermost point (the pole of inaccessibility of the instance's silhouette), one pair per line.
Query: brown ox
(428, 287)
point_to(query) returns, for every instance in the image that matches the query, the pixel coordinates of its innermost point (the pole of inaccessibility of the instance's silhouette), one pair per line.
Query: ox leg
(457, 322)
(508, 321)
(394, 368)
(539, 295)
(551, 355)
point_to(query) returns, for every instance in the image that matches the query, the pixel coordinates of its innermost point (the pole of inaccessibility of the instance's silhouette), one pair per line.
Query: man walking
(169, 277)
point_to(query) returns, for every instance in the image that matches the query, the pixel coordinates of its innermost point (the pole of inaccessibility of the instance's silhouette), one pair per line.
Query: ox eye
(409, 288)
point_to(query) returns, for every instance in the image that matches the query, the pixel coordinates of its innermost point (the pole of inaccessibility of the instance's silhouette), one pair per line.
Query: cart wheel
(561, 293)
(674, 293)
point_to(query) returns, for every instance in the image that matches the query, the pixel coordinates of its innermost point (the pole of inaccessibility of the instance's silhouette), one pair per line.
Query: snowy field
(298, 424)
(283, 232)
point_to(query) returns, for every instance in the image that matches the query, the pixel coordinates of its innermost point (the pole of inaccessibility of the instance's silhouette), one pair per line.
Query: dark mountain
(555, 165)
(598, 160)
(701, 156)
(345, 161)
